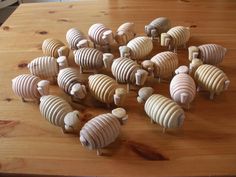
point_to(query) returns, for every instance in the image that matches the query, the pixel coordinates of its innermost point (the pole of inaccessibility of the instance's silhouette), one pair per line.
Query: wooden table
(206, 145)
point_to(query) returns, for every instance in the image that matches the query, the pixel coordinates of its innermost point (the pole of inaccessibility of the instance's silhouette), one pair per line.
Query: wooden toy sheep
(175, 37)
(30, 87)
(47, 67)
(100, 35)
(54, 48)
(128, 71)
(125, 33)
(90, 58)
(164, 64)
(182, 87)
(76, 39)
(59, 113)
(157, 26)
(106, 90)
(137, 49)
(160, 109)
(102, 130)
(212, 79)
(209, 53)
(68, 80)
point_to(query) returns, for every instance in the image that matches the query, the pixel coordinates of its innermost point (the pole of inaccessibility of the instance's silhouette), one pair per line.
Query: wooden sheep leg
(99, 152)
(212, 95)
(94, 45)
(23, 100)
(81, 69)
(164, 130)
(175, 49)
(128, 88)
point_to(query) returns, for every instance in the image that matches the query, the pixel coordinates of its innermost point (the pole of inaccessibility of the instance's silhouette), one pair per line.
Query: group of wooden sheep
(130, 68)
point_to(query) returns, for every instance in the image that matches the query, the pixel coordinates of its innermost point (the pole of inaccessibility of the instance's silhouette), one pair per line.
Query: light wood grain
(206, 145)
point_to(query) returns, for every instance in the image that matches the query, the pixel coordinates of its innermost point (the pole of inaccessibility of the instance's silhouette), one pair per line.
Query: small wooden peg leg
(99, 152)
(163, 130)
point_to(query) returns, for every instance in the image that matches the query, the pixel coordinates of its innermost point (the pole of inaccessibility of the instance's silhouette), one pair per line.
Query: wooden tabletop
(204, 146)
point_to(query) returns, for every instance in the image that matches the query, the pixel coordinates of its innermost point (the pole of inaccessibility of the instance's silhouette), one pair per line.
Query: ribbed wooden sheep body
(164, 64)
(162, 110)
(128, 71)
(54, 48)
(102, 130)
(106, 90)
(182, 89)
(100, 35)
(47, 67)
(157, 26)
(30, 87)
(68, 80)
(176, 36)
(137, 49)
(90, 58)
(76, 39)
(209, 53)
(59, 113)
(125, 33)
(212, 79)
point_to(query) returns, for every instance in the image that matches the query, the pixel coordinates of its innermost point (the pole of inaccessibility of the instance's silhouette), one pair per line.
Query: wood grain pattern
(206, 144)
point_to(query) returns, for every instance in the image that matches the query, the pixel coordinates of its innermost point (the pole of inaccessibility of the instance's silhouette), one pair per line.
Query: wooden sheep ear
(83, 43)
(62, 62)
(120, 114)
(124, 51)
(227, 82)
(119, 96)
(107, 60)
(63, 51)
(141, 76)
(193, 52)
(165, 39)
(72, 122)
(43, 87)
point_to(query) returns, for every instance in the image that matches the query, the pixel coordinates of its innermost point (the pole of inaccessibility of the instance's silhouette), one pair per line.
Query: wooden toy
(125, 33)
(165, 63)
(54, 48)
(161, 110)
(76, 39)
(47, 67)
(157, 26)
(209, 53)
(102, 130)
(30, 87)
(182, 87)
(195, 63)
(175, 37)
(212, 79)
(100, 35)
(59, 113)
(137, 49)
(106, 90)
(128, 71)
(89, 58)
(69, 81)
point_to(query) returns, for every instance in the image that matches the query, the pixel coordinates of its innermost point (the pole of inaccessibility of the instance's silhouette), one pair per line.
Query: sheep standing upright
(157, 26)
(212, 79)
(54, 48)
(125, 33)
(160, 109)
(102, 130)
(76, 39)
(28, 86)
(209, 53)
(101, 35)
(176, 36)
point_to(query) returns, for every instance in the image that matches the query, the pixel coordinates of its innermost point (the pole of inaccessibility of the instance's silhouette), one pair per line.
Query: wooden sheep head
(193, 52)
(165, 39)
(195, 63)
(119, 96)
(144, 93)
(124, 51)
(83, 43)
(107, 60)
(62, 62)
(141, 77)
(78, 91)
(148, 65)
(108, 37)
(72, 122)
(150, 30)
(43, 87)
